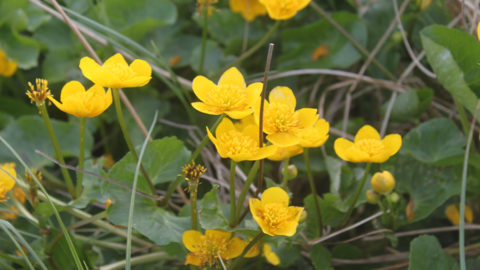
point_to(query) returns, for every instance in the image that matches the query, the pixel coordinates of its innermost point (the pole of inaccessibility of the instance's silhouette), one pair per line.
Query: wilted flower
(368, 146)
(281, 121)
(205, 249)
(40, 93)
(239, 144)
(382, 182)
(116, 73)
(80, 103)
(193, 172)
(7, 67)
(453, 214)
(248, 8)
(273, 214)
(231, 96)
(283, 9)
(6, 180)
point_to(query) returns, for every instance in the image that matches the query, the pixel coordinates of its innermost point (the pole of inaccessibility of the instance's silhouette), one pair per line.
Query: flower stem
(233, 211)
(314, 190)
(81, 156)
(56, 147)
(246, 30)
(126, 136)
(285, 173)
(461, 227)
(204, 38)
(193, 203)
(245, 188)
(357, 193)
(205, 139)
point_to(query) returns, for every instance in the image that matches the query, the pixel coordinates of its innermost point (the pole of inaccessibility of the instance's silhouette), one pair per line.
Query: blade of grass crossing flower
(68, 239)
(461, 227)
(132, 197)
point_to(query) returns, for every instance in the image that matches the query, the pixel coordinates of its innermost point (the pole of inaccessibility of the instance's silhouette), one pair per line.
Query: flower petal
(392, 143)
(232, 76)
(290, 226)
(271, 256)
(116, 59)
(341, 147)
(275, 195)
(264, 152)
(236, 246)
(136, 81)
(307, 116)
(283, 139)
(286, 152)
(204, 108)
(201, 87)
(367, 132)
(191, 238)
(254, 91)
(225, 126)
(89, 67)
(218, 234)
(239, 114)
(282, 94)
(193, 260)
(70, 89)
(141, 68)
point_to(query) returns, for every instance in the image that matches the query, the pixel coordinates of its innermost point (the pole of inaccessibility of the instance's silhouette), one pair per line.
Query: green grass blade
(8, 229)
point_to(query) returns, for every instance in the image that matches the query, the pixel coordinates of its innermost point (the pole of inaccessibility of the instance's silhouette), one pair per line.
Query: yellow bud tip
(372, 196)
(383, 183)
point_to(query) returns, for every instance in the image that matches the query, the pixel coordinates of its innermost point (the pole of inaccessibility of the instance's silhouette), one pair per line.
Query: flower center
(279, 117)
(228, 97)
(274, 214)
(210, 247)
(370, 146)
(123, 72)
(237, 143)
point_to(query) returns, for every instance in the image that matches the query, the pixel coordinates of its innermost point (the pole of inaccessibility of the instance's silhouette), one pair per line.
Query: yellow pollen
(209, 248)
(38, 93)
(274, 214)
(237, 143)
(228, 97)
(280, 117)
(370, 146)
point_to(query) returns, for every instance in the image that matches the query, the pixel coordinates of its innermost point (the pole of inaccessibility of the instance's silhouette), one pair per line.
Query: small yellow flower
(286, 152)
(116, 73)
(239, 144)
(382, 182)
(368, 146)
(267, 252)
(80, 103)
(231, 96)
(283, 9)
(453, 214)
(6, 181)
(248, 8)
(108, 203)
(319, 52)
(273, 214)
(314, 136)
(205, 249)
(478, 30)
(423, 4)
(281, 121)
(372, 196)
(7, 67)
(40, 93)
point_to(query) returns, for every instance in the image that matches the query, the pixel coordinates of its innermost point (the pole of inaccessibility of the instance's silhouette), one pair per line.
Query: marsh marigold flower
(453, 214)
(205, 249)
(39, 92)
(239, 144)
(248, 8)
(6, 181)
(267, 252)
(314, 136)
(281, 121)
(382, 182)
(80, 103)
(273, 214)
(368, 146)
(116, 73)
(230, 96)
(7, 67)
(283, 9)
(286, 152)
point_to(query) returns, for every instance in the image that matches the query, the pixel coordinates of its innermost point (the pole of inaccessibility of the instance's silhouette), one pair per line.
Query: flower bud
(292, 171)
(383, 182)
(394, 197)
(303, 216)
(372, 196)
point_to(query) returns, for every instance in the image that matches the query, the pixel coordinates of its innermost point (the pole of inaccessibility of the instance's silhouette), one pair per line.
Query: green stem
(314, 190)
(255, 47)
(204, 38)
(56, 147)
(461, 227)
(81, 156)
(285, 173)
(205, 139)
(193, 204)
(246, 187)
(357, 193)
(126, 136)
(463, 116)
(237, 261)
(233, 165)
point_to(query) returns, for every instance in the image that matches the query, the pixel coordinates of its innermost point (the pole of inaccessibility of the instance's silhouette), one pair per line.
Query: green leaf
(454, 56)
(321, 257)
(28, 133)
(214, 58)
(22, 49)
(437, 141)
(299, 44)
(16, 107)
(410, 104)
(426, 253)
(57, 66)
(210, 212)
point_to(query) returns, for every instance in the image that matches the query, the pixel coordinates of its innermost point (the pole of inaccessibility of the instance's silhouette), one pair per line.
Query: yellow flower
(239, 144)
(6, 181)
(382, 182)
(231, 96)
(314, 136)
(40, 93)
(423, 4)
(372, 196)
(319, 52)
(286, 152)
(281, 121)
(267, 252)
(453, 214)
(478, 31)
(205, 249)
(368, 146)
(248, 8)
(283, 9)
(273, 214)
(7, 67)
(80, 103)
(116, 73)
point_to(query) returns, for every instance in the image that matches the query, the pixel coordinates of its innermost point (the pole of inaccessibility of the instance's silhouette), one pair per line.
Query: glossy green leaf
(427, 253)
(437, 141)
(410, 104)
(321, 257)
(210, 212)
(22, 49)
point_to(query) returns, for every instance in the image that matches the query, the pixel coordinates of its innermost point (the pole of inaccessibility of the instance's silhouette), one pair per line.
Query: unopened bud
(372, 196)
(394, 197)
(292, 171)
(383, 182)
